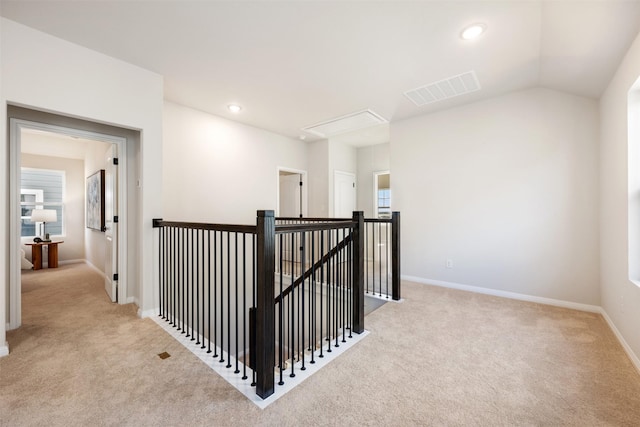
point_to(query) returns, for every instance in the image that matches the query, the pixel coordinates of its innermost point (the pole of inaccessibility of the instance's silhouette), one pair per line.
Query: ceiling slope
(295, 63)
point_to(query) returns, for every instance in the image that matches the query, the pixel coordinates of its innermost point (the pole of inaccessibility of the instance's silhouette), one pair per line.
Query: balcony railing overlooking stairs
(267, 300)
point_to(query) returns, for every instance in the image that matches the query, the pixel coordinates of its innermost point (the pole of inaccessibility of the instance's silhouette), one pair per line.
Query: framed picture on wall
(95, 201)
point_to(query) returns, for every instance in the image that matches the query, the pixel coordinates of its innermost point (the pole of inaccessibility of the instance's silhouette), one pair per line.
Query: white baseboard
(634, 359)
(506, 294)
(71, 261)
(147, 313)
(4, 350)
(100, 272)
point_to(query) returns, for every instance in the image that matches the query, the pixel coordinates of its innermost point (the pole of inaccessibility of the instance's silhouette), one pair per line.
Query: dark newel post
(265, 306)
(358, 272)
(395, 256)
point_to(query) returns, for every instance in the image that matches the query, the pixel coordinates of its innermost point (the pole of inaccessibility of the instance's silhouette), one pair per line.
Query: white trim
(634, 359)
(15, 129)
(97, 270)
(15, 272)
(244, 386)
(71, 261)
(4, 349)
(506, 294)
(152, 312)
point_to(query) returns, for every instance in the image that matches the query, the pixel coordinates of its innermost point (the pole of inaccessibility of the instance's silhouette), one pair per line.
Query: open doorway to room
(382, 194)
(292, 193)
(73, 154)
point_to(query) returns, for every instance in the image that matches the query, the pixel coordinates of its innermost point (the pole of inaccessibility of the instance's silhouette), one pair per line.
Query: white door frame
(15, 129)
(305, 187)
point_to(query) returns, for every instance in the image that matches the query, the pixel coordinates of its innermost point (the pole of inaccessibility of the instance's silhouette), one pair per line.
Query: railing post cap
(266, 213)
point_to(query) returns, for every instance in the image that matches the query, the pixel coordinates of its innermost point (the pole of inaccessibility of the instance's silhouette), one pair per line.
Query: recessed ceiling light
(234, 108)
(473, 31)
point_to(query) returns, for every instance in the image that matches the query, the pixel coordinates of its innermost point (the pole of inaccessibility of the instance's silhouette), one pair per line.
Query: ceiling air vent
(444, 89)
(348, 123)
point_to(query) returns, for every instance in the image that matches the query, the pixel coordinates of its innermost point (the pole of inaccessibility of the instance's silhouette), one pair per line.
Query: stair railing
(217, 284)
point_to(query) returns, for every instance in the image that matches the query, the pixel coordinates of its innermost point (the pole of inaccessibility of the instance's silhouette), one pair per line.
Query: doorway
(17, 130)
(292, 193)
(382, 194)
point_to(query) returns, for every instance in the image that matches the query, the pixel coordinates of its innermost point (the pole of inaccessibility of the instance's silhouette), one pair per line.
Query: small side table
(36, 254)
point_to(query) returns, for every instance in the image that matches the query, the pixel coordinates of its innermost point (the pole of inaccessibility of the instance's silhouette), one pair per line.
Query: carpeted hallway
(442, 357)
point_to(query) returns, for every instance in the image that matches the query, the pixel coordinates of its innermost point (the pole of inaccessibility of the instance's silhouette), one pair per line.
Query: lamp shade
(44, 215)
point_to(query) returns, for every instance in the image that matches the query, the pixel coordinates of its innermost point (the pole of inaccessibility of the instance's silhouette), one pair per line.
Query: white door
(290, 203)
(111, 227)
(344, 194)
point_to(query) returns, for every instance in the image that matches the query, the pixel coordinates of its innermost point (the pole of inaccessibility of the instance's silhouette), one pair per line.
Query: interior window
(41, 189)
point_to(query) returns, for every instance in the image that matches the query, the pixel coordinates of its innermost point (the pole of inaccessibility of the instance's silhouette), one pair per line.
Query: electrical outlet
(449, 263)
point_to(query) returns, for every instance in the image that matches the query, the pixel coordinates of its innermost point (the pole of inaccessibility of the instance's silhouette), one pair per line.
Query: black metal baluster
(350, 278)
(222, 295)
(312, 304)
(197, 284)
(302, 313)
(330, 281)
(322, 281)
(160, 275)
(366, 238)
(343, 272)
(237, 371)
(202, 284)
(387, 250)
(215, 294)
(190, 282)
(228, 299)
(337, 295)
(174, 284)
(244, 304)
(292, 305)
(281, 314)
(373, 251)
(255, 293)
(209, 291)
(183, 285)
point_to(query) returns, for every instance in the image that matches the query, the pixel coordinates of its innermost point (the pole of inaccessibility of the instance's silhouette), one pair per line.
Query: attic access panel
(350, 122)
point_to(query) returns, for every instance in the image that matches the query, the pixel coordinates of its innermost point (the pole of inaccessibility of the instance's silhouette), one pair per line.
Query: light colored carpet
(442, 357)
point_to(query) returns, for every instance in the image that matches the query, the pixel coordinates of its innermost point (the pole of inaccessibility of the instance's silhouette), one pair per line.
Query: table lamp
(44, 216)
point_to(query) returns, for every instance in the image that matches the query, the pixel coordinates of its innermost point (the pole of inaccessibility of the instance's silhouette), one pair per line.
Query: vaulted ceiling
(292, 64)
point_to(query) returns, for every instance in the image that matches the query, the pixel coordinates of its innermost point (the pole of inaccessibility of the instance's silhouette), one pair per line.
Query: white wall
(73, 246)
(507, 189)
(217, 170)
(620, 297)
(374, 158)
(318, 152)
(47, 73)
